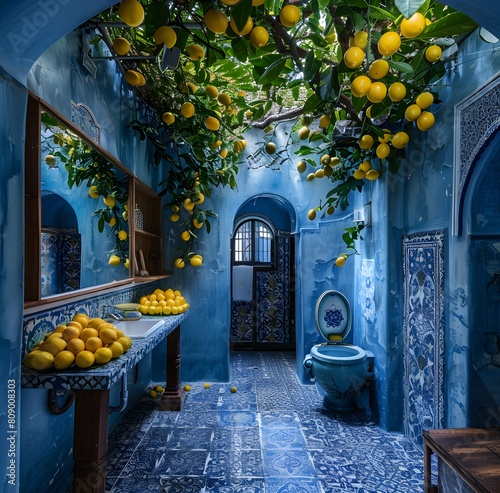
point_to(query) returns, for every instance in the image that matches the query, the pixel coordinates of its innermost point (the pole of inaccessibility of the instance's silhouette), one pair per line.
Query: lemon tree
(356, 64)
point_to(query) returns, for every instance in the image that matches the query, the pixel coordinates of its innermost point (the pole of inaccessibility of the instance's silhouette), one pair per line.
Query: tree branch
(278, 117)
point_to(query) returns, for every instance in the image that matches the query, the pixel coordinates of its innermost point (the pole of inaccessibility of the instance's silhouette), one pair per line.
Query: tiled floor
(271, 436)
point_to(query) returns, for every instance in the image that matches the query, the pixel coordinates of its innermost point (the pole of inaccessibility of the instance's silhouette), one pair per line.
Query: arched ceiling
(29, 28)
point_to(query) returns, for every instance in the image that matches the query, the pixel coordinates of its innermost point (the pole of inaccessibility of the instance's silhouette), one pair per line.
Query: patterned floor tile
(247, 438)
(288, 463)
(282, 438)
(293, 485)
(234, 463)
(235, 485)
(271, 436)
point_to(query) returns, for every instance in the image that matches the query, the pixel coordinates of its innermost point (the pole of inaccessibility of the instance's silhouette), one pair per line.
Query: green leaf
(272, 72)
(241, 12)
(312, 103)
(451, 25)
(240, 49)
(311, 66)
(404, 67)
(408, 7)
(329, 87)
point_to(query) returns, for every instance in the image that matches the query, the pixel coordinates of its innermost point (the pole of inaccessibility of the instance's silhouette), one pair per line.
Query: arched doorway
(263, 275)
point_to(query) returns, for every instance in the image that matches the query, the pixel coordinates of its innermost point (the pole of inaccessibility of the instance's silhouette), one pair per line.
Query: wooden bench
(472, 453)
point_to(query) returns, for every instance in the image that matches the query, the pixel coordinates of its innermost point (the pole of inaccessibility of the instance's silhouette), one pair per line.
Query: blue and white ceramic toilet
(340, 370)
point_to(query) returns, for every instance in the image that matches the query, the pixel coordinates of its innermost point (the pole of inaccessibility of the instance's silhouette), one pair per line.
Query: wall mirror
(77, 198)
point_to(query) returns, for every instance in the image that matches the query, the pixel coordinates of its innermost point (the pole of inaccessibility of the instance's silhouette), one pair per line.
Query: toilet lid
(333, 316)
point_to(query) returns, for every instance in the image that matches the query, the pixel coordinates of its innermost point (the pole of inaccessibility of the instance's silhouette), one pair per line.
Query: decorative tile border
(423, 332)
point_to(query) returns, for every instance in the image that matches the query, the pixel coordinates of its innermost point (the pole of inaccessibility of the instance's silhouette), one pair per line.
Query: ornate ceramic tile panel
(423, 357)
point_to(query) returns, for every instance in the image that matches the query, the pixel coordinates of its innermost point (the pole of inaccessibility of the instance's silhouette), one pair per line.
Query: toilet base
(340, 404)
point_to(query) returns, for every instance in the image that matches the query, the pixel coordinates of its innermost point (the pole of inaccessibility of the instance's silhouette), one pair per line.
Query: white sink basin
(138, 328)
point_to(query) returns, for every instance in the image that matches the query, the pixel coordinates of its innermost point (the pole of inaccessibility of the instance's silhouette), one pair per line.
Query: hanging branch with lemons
(84, 164)
(361, 75)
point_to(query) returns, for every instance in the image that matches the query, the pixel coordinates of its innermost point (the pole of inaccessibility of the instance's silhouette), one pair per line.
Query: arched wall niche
(477, 122)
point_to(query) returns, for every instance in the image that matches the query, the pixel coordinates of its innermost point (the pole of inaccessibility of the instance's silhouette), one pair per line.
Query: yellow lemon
(301, 166)
(212, 123)
(92, 344)
(82, 319)
(387, 136)
(165, 35)
(366, 141)
(168, 117)
(93, 192)
(373, 174)
(359, 174)
(425, 121)
(206, 385)
(133, 77)
(187, 109)
(365, 166)
(324, 121)
(361, 39)
(64, 360)
(378, 69)
(270, 147)
(212, 92)
(107, 336)
(330, 210)
(54, 345)
(360, 86)
(433, 53)
(397, 91)
(122, 234)
(131, 12)
(400, 140)
(121, 46)
(377, 92)
(224, 99)
(354, 57)
(70, 332)
(311, 215)
(233, 389)
(103, 355)
(239, 145)
(93, 323)
(259, 37)
(116, 349)
(340, 261)
(179, 263)
(41, 360)
(196, 260)
(109, 201)
(84, 359)
(114, 260)
(412, 27)
(424, 100)
(303, 133)
(186, 235)
(320, 173)
(195, 52)
(216, 21)
(87, 333)
(76, 345)
(289, 15)
(187, 388)
(246, 28)
(383, 150)
(126, 342)
(389, 43)
(413, 112)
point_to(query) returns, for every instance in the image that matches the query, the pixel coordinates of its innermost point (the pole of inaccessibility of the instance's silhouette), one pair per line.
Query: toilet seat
(333, 316)
(338, 354)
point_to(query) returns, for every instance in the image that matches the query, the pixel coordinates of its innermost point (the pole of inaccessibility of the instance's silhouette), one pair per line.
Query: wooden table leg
(90, 445)
(172, 398)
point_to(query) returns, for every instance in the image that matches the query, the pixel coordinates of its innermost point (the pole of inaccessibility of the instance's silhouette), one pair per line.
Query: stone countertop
(100, 377)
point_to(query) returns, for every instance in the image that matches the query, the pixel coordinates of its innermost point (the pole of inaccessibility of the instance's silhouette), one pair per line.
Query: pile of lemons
(83, 341)
(168, 302)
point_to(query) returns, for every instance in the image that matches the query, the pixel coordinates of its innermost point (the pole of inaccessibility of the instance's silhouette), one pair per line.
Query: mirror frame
(33, 209)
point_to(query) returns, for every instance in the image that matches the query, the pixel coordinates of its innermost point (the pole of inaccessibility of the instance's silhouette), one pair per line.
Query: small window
(253, 242)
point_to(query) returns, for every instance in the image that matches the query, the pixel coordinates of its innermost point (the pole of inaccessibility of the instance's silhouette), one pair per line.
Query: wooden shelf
(148, 238)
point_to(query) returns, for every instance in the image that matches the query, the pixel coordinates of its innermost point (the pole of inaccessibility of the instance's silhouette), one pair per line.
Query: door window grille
(253, 243)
